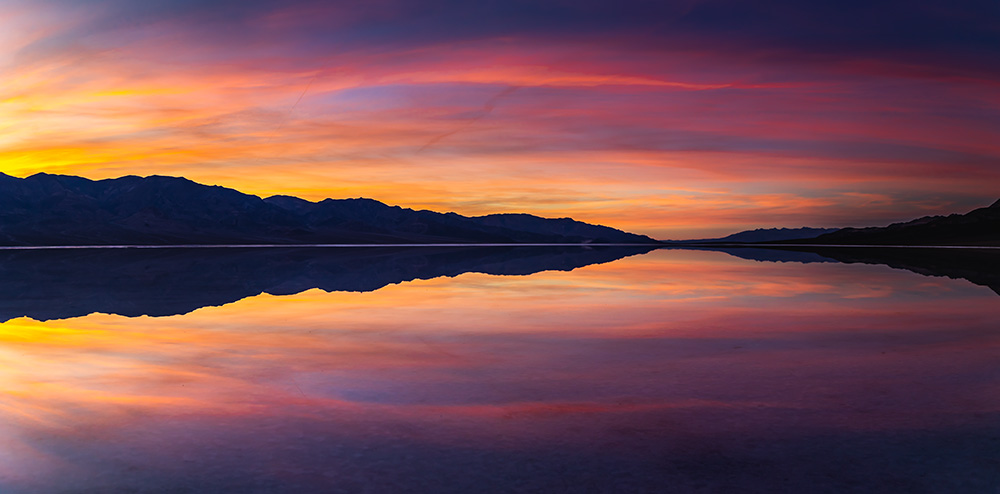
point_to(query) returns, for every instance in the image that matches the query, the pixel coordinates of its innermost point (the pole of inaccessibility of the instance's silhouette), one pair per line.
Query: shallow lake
(662, 371)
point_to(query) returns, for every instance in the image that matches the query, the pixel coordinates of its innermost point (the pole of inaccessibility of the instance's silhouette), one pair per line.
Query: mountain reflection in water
(63, 283)
(977, 265)
(673, 371)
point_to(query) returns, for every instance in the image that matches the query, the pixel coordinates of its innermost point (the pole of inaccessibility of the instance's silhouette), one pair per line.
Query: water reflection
(676, 371)
(977, 265)
(62, 283)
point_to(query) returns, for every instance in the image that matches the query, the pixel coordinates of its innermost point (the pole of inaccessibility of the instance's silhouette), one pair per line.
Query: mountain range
(762, 235)
(63, 210)
(978, 227)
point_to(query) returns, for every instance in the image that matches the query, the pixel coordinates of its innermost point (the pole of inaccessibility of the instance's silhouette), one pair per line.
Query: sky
(675, 119)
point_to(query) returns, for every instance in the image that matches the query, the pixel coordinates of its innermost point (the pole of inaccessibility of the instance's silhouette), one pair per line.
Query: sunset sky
(675, 119)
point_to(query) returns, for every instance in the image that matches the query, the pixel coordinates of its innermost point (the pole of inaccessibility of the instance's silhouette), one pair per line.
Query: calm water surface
(672, 371)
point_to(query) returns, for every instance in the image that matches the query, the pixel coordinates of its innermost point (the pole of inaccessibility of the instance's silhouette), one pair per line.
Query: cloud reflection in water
(682, 368)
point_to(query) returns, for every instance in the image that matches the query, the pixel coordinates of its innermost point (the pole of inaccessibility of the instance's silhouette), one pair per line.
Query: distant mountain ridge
(978, 227)
(64, 210)
(764, 235)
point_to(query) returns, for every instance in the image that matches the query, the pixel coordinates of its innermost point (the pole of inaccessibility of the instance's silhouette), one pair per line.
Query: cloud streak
(613, 104)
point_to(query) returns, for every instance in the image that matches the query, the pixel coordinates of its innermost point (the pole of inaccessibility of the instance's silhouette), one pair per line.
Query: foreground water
(670, 371)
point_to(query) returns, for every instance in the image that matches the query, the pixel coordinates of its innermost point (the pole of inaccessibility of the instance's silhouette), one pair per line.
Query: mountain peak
(996, 204)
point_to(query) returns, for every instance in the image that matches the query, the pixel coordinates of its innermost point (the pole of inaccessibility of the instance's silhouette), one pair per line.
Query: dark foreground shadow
(979, 266)
(59, 284)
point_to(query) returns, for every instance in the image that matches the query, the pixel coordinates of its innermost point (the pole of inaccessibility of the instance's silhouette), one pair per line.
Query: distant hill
(977, 227)
(60, 210)
(763, 235)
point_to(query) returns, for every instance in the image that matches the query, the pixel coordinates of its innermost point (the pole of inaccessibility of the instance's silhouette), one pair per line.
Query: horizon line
(467, 244)
(259, 246)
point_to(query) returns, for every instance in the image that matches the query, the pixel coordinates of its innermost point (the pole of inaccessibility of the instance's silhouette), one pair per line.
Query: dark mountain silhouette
(53, 210)
(978, 227)
(762, 235)
(61, 283)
